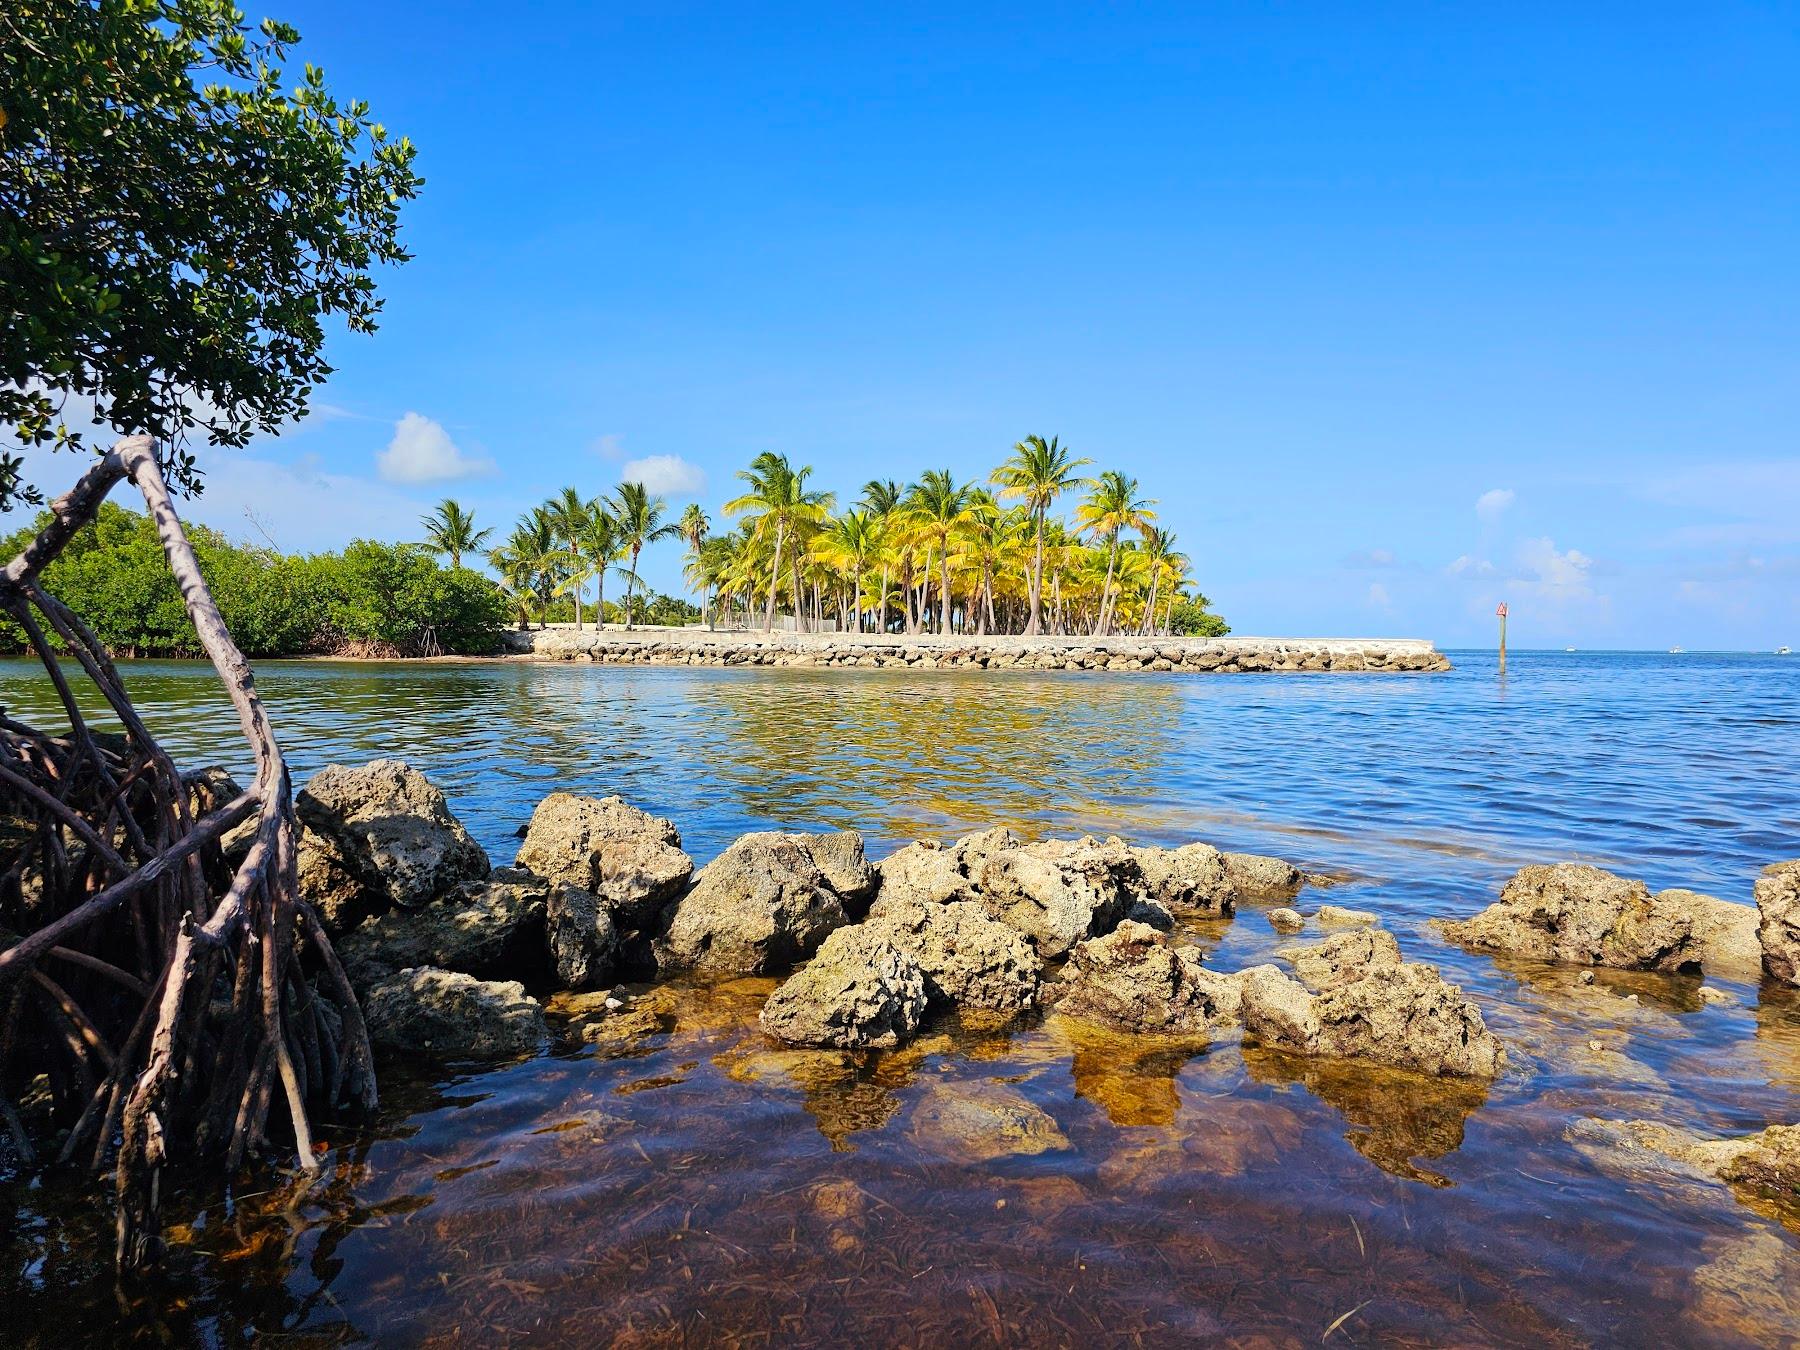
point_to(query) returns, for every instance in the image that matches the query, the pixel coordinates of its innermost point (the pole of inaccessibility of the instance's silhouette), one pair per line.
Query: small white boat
(1676, 651)
(1784, 651)
(1568, 649)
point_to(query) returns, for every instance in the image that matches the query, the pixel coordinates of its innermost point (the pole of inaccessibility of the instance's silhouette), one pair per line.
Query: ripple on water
(691, 1180)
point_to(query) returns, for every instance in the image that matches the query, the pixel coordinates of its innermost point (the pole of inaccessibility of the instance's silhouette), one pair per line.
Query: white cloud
(1492, 504)
(1557, 573)
(1469, 566)
(422, 452)
(669, 475)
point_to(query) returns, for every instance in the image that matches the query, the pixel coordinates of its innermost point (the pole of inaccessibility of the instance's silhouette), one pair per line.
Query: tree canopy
(176, 225)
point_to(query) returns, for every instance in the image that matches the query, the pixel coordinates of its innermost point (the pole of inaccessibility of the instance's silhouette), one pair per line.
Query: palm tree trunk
(1037, 581)
(575, 553)
(884, 596)
(631, 587)
(1148, 627)
(1103, 621)
(774, 576)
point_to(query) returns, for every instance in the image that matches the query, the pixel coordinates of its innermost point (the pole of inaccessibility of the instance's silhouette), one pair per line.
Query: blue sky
(1397, 310)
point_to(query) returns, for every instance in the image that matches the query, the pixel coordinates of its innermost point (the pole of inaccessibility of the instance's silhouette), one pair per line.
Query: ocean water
(1045, 1182)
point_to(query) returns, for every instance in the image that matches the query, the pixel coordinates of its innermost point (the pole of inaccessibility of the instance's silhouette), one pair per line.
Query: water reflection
(1396, 1117)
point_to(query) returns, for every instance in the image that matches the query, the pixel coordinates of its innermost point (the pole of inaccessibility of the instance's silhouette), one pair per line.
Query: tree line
(932, 556)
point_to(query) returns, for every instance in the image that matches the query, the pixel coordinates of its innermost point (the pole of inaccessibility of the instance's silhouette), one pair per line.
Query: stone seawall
(690, 647)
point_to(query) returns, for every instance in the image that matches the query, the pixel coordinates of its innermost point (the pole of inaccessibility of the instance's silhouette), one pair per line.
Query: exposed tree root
(182, 1001)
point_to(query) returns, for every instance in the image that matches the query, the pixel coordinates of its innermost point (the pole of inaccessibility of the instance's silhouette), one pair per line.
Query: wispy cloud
(1492, 504)
(670, 475)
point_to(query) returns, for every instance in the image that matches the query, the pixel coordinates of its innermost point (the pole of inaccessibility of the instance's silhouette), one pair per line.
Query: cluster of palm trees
(942, 556)
(557, 548)
(931, 556)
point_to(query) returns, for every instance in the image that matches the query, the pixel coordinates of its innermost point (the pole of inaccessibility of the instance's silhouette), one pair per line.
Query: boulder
(969, 960)
(491, 928)
(928, 872)
(1135, 979)
(585, 941)
(1338, 914)
(1285, 919)
(1345, 956)
(1192, 877)
(453, 1015)
(1254, 876)
(1384, 1011)
(858, 990)
(630, 859)
(1152, 912)
(210, 788)
(756, 909)
(1058, 892)
(1574, 913)
(376, 837)
(1778, 925)
(1725, 932)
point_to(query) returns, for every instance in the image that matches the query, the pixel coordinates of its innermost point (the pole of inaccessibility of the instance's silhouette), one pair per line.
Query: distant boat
(1784, 651)
(1676, 651)
(1568, 649)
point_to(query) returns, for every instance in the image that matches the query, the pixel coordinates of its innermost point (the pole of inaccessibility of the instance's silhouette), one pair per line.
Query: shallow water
(1047, 1183)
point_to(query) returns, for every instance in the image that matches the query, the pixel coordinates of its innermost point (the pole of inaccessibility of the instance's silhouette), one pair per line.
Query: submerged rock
(969, 960)
(450, 1014)
(1778, 926)
(757, 908)
(1767, 1163)
(1371, 1006)
(1339, 915)
(490, 928)
(379, 836)
(980, 1122)
(1579, 914)
(859, 989)
(1135, 979)
(630, 859)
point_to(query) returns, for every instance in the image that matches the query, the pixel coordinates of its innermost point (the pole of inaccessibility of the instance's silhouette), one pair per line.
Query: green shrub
(1192, 618)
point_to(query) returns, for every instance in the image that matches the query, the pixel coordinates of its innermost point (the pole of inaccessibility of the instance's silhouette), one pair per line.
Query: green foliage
(175, 224)
(374, 599)
(1192, 618)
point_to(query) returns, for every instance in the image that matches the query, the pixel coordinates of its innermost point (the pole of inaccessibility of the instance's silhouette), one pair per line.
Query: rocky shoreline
(1231, 655)
(459, 960)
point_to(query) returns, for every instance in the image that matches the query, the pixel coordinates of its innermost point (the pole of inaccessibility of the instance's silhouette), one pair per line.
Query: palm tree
(1038, 472)
(1112, 507)
(850, 541)
(1159, 548)
(782, 504)
(597, 546)
(935, 509)
(568, 518)
(638, 513)
(692, 527)
(451, 530)
(881, 499)
(527, 563)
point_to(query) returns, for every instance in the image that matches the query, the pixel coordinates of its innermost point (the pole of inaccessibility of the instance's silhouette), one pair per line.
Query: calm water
(1046, 1184)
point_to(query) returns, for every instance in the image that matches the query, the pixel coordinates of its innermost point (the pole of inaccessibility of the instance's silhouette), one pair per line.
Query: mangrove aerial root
(160, 971)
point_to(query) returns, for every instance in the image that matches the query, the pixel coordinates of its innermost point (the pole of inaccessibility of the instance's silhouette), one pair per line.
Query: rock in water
(859, 989)
(1767, 1163)
(1345, 956)
(1254, 876)
(929, 873)
(378, 836)
(1579, 914)
(630, 859)
(1725, 932)
(969, 960)
(1056, 893)
(1778, 925)
(453, 1015)
(1339, 915)
(1285, 919)
(1192, 877)
(585, 942)
(1370, 1006)
(1135, 979)
(491, 929)
(756, 909)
